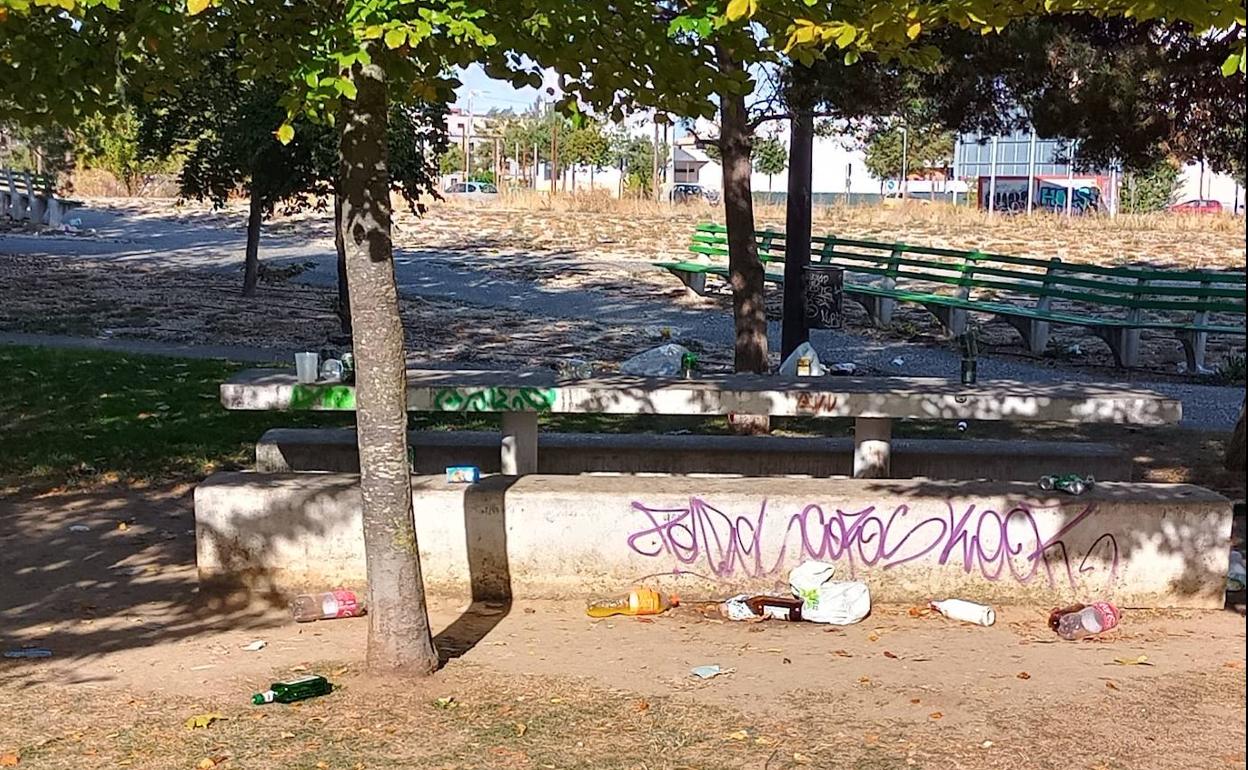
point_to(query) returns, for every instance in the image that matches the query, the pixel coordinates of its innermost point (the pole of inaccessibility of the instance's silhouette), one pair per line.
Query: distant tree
(40, 149)
(586, 146)
(1150, 190)
(923, 148)
(770, 157)
(634, 155)
(111, 143)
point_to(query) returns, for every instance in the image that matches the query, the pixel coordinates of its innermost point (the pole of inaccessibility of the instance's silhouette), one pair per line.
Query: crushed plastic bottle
(639, 601)
(1082, 620)
(967, 612)
(326, 606)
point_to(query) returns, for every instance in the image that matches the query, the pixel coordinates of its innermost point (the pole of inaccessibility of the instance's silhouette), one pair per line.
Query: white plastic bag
(663, 361)
(789, 366)
(825, 600)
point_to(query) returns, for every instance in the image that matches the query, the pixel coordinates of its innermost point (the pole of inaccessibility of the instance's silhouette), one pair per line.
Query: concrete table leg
(872, 447)
(519, 443)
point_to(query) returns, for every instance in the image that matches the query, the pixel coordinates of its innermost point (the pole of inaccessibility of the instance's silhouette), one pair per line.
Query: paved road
(216, 243)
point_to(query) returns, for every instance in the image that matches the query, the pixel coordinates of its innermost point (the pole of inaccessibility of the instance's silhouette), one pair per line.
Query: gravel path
(213, 241)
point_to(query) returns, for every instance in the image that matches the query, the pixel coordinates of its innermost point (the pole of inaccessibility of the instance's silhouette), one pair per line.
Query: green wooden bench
(1115, 303)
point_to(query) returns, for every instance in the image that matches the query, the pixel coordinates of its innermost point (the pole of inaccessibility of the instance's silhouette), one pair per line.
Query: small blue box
(463, 474)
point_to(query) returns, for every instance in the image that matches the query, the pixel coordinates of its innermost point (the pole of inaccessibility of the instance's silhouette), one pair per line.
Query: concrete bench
(283, 450)
(520, 397)
(911, 540)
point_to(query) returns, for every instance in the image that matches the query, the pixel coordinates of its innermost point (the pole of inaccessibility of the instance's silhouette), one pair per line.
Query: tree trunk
(251, 260)
(1235, 449)
(745, 271)
(398, 626)
(797, 227)
(340, 245)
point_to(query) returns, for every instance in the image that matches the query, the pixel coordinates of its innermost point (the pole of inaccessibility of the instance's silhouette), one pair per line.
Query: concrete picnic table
(873, 402)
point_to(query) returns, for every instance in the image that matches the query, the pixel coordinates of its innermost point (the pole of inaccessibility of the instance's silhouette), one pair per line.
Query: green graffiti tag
(494, 399)
(322, 397)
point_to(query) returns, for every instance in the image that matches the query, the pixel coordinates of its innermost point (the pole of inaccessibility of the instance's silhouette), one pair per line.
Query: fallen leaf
(888, 654)
(739, 735)
(287, 735)
(763, 740)
(785, 660)
(322, 765)
(873, 637)
(641, 705)
(843, 654)
(122, 526)
(445, 702)
(556, 700)
(864, 680)
(872, 738)
(1140, 661)
(935, 715)
(915, 700)
(801, 758)
(9, 760)
(203, 720)
(206, 763)
(986, 745)
(1111, 685)
(521, 729)
(1024, 675)
(341, 671)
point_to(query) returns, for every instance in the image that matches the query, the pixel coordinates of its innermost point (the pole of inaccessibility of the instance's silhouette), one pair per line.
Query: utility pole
(554, 154)
(905, 147)
(654, 158)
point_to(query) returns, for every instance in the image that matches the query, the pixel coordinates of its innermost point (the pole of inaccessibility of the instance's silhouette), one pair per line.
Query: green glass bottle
(296, 689)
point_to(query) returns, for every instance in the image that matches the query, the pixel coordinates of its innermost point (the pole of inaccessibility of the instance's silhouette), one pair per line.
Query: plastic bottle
(296, 689)
(1079, 620)
(639, 601)
(326, 606)
(967, 612)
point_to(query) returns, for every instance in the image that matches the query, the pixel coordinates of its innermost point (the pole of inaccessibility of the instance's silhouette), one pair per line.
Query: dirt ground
(537, 684)
(578, 244)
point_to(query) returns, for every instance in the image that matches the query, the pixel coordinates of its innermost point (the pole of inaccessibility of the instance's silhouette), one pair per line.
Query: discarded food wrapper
(463, 474)
(79, 528)
(803, 362)
(29, 652)
(735, 608)
(255, 646)
(708, 672)
(898, 361)
(967, 612)
(843, 369)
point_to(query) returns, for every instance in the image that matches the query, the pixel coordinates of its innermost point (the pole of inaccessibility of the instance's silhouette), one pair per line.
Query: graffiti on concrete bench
(494, 399)
(702, 538)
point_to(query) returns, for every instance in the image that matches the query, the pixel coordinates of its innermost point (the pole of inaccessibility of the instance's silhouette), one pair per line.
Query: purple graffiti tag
(976, 538)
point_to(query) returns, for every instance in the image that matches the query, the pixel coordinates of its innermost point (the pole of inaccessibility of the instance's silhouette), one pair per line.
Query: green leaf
(346, 88)
(395, 37)
(913, 30)
(194, 7)
(851, 57)
(846, 36)
(285, 133)
(1232, 64)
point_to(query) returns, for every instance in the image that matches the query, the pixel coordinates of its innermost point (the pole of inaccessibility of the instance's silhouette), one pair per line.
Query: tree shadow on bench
(489, 568)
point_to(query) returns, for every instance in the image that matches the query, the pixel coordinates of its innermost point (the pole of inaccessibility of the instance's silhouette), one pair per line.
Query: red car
(1197, 206)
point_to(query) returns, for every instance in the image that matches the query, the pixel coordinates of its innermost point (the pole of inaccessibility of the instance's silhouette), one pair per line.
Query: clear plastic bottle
(639, 601)
(326, 606)
(1081, 621)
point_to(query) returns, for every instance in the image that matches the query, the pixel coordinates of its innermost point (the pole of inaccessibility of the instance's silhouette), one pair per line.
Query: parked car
(687, 193)
(1196, 206)
(472, 191)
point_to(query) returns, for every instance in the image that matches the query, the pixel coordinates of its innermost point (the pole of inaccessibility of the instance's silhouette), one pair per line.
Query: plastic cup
(306, 366)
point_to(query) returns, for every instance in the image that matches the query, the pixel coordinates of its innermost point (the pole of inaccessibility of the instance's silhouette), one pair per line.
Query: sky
(488, 93)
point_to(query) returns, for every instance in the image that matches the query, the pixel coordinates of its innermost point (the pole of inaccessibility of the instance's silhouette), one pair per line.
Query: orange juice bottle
(639, 601)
